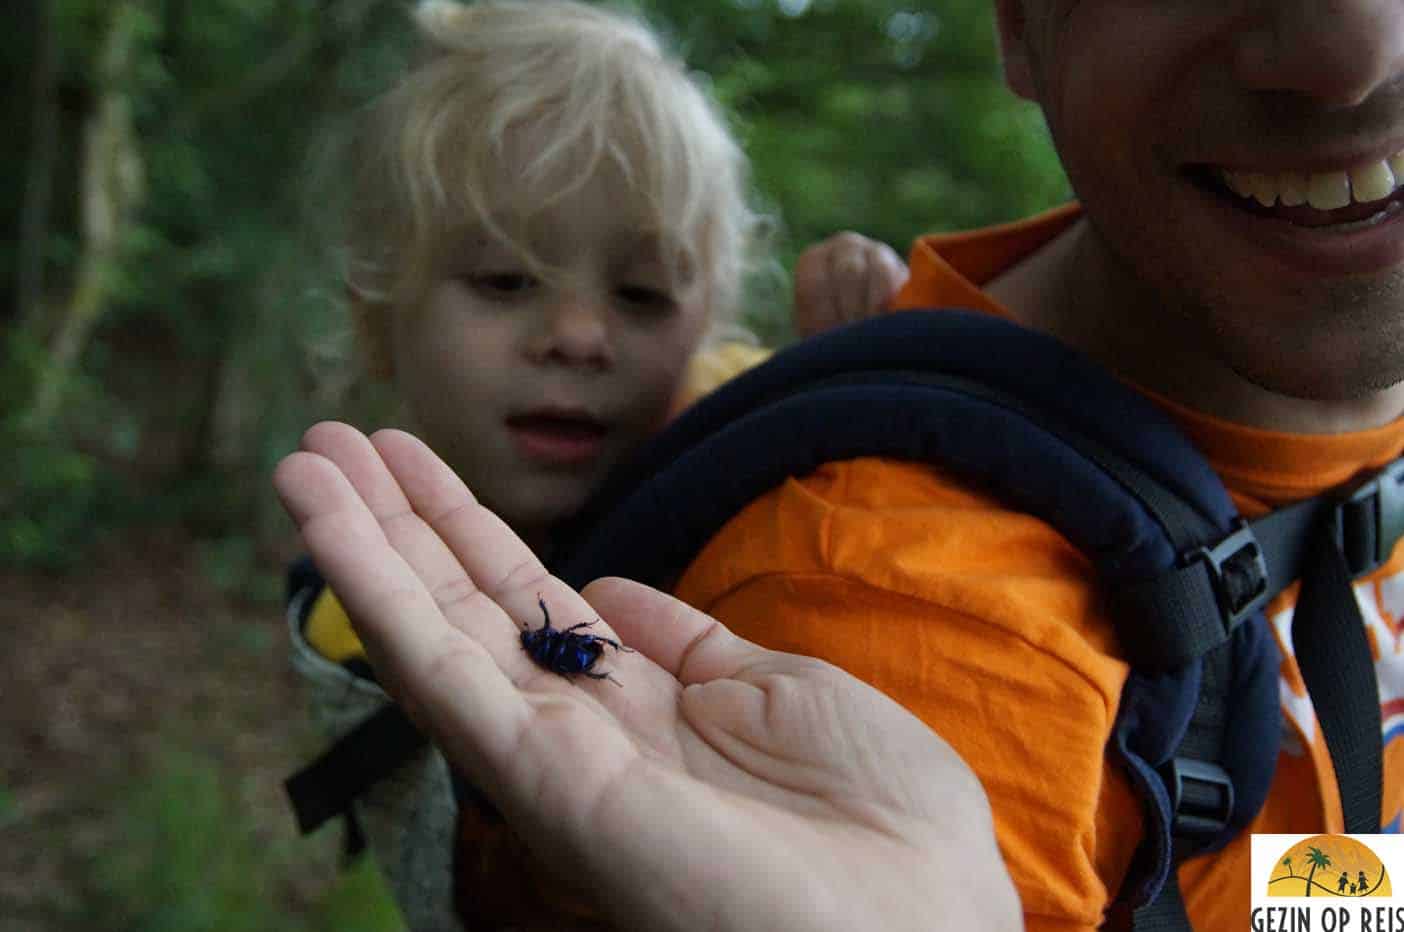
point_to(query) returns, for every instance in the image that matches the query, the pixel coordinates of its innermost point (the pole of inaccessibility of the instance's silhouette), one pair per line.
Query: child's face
(532, 390)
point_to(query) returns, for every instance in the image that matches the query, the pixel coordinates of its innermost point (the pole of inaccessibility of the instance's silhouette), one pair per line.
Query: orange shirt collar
(950, 269)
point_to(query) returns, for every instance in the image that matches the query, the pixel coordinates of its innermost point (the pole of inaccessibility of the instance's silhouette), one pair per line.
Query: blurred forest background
(172, 326)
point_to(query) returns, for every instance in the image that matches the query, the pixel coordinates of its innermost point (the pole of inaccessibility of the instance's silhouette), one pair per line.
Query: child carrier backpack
(1041, 428)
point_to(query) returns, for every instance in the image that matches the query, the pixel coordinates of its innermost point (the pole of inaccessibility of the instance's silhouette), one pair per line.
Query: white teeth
(1292, 188)
(1263, 188)
(1363, 184)
(1236, 183)
(1328, 190)
(1373, 182)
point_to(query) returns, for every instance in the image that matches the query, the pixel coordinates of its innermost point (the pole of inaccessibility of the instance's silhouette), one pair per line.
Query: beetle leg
(615, 644)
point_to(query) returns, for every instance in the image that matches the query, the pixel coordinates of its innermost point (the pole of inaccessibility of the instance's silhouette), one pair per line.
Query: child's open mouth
(558, 437)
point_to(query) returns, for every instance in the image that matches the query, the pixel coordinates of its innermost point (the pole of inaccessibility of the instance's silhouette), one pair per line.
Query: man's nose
(1336, 52)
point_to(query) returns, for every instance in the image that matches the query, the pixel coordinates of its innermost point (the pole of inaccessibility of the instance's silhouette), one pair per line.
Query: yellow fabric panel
(716, 365)
(329, 630)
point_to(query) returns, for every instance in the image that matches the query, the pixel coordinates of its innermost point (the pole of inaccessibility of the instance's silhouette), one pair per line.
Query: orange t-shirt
(984, 622)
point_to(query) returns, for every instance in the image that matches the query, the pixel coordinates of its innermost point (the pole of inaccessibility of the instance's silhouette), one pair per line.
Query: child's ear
(373, 338)
(1013, 47)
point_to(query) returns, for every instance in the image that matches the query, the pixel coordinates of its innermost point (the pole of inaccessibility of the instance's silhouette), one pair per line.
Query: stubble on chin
(1234, 348)
(1348, 347)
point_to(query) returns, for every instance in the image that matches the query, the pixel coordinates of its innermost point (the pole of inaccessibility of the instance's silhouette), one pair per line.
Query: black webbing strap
(367, 754)
(354, 841)
(1327, 542)
(1192, 608)
(1285, 536)
(1200, 791)
(1333, 653)
(1166, 913)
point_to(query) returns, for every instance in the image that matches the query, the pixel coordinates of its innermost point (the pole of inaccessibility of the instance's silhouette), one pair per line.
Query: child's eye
(501, 284)
(646, 299)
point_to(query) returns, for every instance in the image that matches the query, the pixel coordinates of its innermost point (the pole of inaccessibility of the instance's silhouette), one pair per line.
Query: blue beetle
(565, 652)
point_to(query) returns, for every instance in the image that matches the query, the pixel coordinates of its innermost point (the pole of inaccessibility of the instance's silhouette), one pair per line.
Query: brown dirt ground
(103, 671)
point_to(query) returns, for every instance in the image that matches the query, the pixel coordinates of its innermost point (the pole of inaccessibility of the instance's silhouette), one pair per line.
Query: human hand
(716, 784)
(842, 279)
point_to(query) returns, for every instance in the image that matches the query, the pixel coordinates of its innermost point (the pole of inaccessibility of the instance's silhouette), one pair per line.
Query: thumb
(691, 645)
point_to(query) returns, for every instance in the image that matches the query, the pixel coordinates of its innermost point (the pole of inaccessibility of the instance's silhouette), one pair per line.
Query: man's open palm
(710, 783)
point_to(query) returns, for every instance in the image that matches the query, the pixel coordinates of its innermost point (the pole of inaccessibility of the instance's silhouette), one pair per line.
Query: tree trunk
(111, 192)
(34, 220)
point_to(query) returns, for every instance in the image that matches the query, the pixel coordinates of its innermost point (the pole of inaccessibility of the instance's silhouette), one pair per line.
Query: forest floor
(147, 721)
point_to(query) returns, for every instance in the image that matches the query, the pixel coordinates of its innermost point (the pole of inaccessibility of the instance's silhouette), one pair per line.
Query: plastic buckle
(1201, 798)
(1239, 541)
(1370, 520)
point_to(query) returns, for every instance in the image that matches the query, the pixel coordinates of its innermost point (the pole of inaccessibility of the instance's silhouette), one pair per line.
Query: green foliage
(46, 515)
(189, 862)
(881, 116)
(359, 901)
(9, 807)
(232, 564)
(49, 492)
(846, 102)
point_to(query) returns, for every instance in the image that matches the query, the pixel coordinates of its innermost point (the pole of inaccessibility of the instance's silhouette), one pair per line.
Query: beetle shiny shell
(564, 651)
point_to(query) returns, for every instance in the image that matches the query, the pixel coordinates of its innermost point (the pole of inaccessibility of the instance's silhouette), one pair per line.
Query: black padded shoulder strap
(996, 404)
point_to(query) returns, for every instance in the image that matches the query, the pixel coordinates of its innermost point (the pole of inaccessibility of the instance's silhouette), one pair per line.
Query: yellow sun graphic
(1328, 865)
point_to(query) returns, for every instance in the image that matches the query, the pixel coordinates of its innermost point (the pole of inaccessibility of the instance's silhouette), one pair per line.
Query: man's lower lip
(554, 446)
(1305, 252)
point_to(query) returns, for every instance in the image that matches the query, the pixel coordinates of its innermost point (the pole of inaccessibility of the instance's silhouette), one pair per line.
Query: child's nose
(575, 332)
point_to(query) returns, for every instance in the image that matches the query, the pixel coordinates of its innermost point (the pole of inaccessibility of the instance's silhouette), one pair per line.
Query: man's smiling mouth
(1362, 196)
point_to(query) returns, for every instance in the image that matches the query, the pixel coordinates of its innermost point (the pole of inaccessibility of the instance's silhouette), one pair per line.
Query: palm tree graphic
(1287, 863)
(1316, 858)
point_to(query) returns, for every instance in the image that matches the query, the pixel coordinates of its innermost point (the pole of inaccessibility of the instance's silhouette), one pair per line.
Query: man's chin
(1355, 388)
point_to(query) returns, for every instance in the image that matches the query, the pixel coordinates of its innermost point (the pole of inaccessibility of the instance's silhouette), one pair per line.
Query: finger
(814, 307)
(346, 542)
(637, 694)
(430, 558)
(691, 645)
(887, 273)
(503, 570)
(850, 274)
(379, 589)
(421, 559)
(448, 682)
(506, 741)
(417, 542)
(352, 453)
